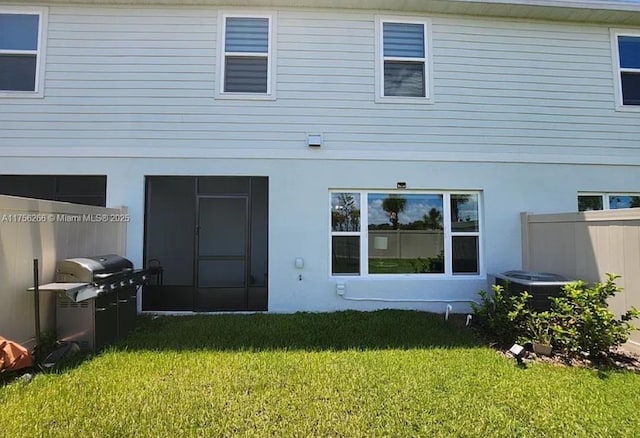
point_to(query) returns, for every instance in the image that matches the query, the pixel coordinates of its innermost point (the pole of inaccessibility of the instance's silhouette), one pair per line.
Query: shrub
(581, 321)
(578, 322)
(503, 317)
(539, 328)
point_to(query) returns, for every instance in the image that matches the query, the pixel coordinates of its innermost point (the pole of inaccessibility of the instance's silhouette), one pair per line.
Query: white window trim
(379, 64)
(40, 53)
(448, 234)
(271, 57)
(617, 71)
(606, 198)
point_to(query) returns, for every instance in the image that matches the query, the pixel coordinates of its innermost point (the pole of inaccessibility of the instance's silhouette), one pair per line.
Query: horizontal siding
(127, 77)
(116, 110)
(258, 121)
(286, 132)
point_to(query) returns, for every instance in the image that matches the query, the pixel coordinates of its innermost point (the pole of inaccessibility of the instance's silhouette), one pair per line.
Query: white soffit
(618, 12)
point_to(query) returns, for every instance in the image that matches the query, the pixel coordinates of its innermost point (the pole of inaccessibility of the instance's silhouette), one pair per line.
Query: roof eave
(614, 12)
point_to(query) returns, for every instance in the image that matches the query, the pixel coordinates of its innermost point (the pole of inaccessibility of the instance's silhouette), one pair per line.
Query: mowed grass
(387, 373)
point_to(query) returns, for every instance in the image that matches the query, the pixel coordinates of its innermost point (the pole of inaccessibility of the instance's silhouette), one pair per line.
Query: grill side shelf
(75, 291)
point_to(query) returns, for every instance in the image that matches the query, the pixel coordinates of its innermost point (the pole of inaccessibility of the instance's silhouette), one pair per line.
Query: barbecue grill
(96, 299)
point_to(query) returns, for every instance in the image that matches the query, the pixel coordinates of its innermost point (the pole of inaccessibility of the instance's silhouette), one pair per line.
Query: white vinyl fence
(49, 231)
(587, 246)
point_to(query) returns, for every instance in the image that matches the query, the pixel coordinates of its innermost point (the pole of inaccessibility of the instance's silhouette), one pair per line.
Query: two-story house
(322, 155)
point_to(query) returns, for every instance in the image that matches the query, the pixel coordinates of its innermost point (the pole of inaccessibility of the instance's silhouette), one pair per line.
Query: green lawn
(388, 373)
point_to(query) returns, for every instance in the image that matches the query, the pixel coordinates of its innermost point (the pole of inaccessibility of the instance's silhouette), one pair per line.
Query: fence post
(122, 232)
(524, 232)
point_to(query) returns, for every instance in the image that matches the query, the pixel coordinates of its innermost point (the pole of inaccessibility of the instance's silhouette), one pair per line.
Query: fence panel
(49, 231)
(587, 246)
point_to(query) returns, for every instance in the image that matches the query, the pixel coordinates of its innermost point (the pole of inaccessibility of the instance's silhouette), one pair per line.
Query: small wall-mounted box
(314, 140)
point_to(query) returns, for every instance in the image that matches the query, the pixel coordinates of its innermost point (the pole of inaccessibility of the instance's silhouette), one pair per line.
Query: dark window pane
(18, 72)
(404, 79)
(77, 189)
(631, 88)
(629, 50)
(171, 205)
(248, 35)
(29, 186)
(19, 32)
(345, 212)
(403, 40)
(465, 254)
(623, 201)
(221, 273)
(589, 202)
(345, 255)
(224, 185)
(245, 75)
(464, 213)
(222, 228)
(97, 201)
(82, 185)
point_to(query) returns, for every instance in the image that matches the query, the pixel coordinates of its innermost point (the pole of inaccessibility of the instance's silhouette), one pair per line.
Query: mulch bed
(617, 359)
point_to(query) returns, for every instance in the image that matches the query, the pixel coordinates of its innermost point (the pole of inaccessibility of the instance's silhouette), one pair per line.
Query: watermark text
(63, 217)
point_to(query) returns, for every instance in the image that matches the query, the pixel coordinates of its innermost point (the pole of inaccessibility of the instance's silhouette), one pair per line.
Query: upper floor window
(246, 64)
(628, 76)
(21, 52)
(403, 65)
(607, 201)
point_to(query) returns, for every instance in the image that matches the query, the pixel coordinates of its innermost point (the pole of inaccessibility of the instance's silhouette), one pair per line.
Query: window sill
(405, 100)
(21, 94)
(244, 96)
(628, 108)
(411, 277)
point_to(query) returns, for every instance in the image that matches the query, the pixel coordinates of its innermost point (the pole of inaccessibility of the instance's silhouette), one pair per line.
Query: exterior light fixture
(314, 140)
(517, 351)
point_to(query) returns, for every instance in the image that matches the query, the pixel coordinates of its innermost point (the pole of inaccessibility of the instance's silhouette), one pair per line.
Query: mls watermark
(63, 217)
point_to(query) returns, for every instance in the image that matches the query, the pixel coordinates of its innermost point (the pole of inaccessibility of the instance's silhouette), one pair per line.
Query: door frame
(255, 297)
(247, 244)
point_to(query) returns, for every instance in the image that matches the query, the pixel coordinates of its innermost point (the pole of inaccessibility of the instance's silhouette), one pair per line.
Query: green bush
(503, 317)
(578, 322)
(581, 321)
(539, 329)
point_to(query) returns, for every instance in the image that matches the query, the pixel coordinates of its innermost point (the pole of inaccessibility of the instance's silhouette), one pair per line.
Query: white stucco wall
(299, 214)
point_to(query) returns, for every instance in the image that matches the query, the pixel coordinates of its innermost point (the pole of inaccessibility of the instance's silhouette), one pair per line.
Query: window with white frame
(607, 201)
(20, 51)
(403, 59)
(421, 233)
(246, 64)
(628, 78)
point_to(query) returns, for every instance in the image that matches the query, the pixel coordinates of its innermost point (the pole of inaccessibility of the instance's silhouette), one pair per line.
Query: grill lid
(89, 277)
(91, 269)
